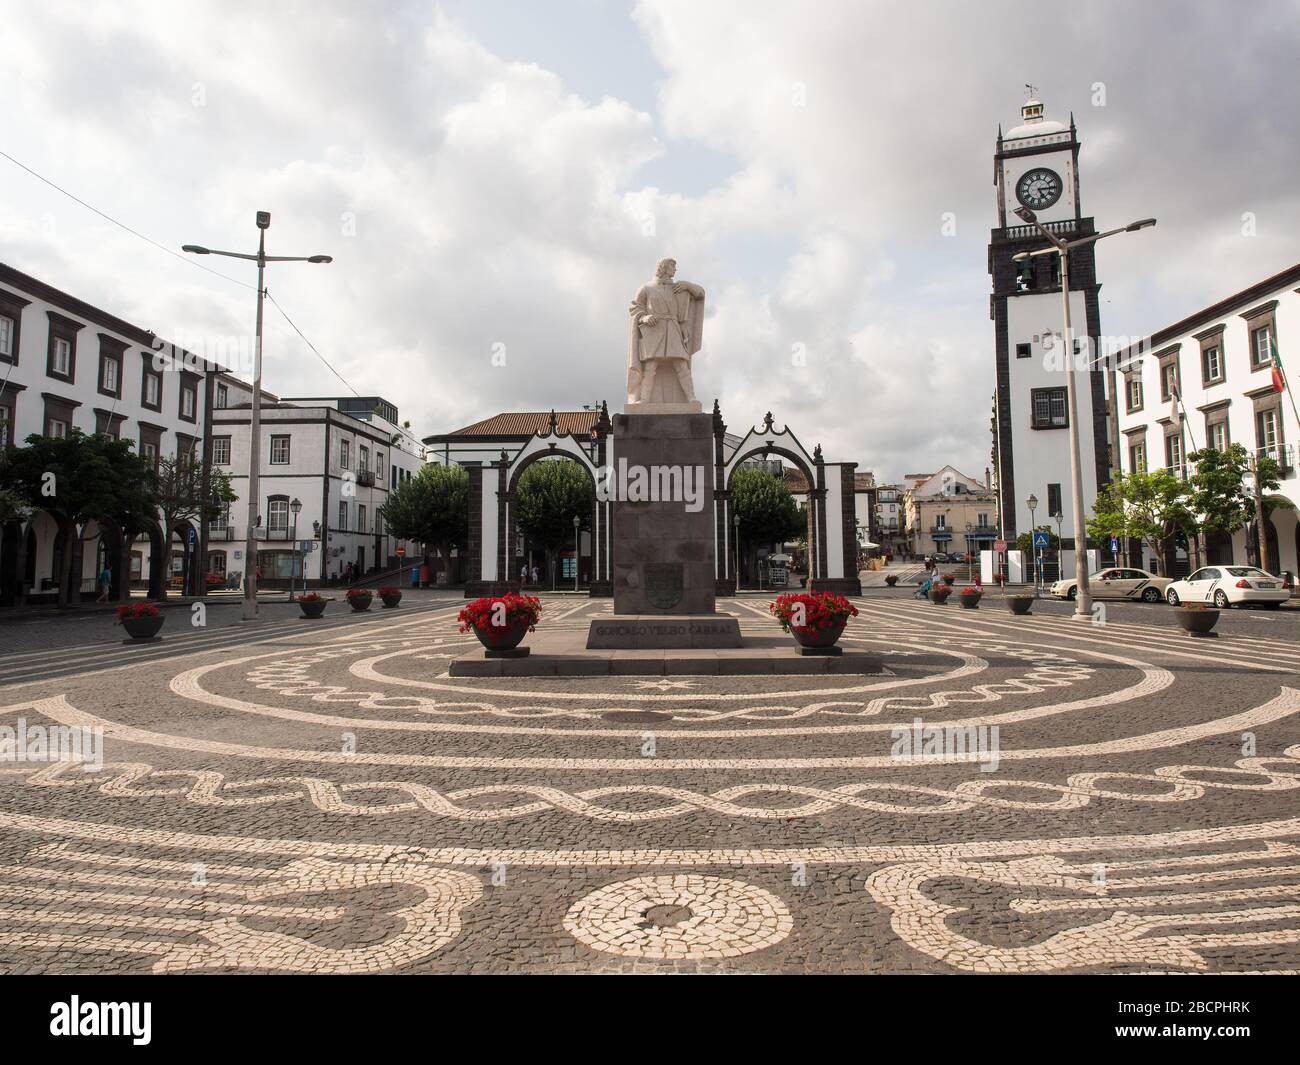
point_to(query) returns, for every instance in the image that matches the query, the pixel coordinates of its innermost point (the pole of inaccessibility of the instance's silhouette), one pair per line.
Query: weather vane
(1031, 91)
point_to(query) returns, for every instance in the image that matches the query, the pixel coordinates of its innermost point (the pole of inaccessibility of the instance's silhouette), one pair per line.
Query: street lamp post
(1032, 504)
(295, 507)
(255, 427)
(735, 521)
(1059, 518)
(577, 521)
(1061, 248)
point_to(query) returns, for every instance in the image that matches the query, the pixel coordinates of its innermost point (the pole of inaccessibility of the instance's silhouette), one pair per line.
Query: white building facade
(1036, 165)
(64, 365)
(324, 477)
(1207, 381)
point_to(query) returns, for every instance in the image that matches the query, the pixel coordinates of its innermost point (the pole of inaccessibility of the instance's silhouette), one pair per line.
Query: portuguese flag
(1279, 378)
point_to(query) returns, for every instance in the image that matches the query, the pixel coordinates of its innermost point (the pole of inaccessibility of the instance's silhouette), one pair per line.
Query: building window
(61, 359)
(343, 515)
(363, 459)
(1174, 452)
(1216, 436)
(982, 521)
(109, 372)
(277, 514)
(1168, 380)
(57, 427)
(361, 518)
(1048, 407)
(1137, 457)
(8, 332)
(1261, 344)
(1266, 434)
(345, 454)
(1023, 351)
(1054, 499)
(221, 451)
(223, 397)
(379, 466)
(1134, 393)
(151, 387)
(279, 451)
(189, 399)
(1211, 364)
(6, 424)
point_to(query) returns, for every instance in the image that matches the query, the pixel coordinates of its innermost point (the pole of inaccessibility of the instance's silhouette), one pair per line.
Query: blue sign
(1041, 539)
(191, 536)
(1114, 545)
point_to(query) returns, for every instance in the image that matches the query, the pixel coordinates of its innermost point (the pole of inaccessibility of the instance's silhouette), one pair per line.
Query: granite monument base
(639, 631)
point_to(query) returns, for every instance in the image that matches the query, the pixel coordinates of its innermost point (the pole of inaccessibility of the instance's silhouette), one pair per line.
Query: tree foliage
(766, 507)
(79, 478)
(431, 508)
(180, 497)
(1219, 500)
(1152, 507)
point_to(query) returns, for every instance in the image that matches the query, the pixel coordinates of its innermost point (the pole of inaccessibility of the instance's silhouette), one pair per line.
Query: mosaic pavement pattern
(321, 797)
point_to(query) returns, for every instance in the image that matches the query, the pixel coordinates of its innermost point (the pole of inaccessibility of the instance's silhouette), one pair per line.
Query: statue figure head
(664, 269)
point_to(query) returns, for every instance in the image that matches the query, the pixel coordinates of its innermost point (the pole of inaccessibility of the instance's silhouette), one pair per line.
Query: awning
(941, 536)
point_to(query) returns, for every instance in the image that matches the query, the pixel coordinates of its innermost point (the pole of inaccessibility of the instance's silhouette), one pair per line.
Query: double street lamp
(255, 434)
(295, 506)
(1061, 248)
(1032, 504)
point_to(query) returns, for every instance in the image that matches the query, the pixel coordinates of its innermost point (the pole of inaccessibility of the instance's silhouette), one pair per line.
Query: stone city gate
(832, 518)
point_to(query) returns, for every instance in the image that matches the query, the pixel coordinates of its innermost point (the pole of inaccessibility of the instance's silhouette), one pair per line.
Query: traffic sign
(999, 545)
(1114, 545)
(191, 535)
(401, 552)
(1041, 539)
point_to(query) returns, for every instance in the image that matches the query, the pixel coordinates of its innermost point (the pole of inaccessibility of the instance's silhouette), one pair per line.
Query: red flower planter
(503, 637)
(823, 637)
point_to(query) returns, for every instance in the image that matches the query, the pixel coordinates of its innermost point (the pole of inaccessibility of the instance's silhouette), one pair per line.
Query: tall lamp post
(1061, 248)
(1032, 504)
(295, 507)
(735, 521)
(255, 433)
(577, 521)
(1059, 518)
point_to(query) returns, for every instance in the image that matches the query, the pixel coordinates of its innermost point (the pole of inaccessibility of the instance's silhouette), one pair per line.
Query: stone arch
(1281, 536)
(527, 457)
(191, 574)
(109, 547)
(799, 461)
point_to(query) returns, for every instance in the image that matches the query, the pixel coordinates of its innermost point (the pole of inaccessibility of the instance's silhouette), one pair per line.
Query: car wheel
(1151, 595)
(1171, 597)
(1221, 600)
(1073, 593)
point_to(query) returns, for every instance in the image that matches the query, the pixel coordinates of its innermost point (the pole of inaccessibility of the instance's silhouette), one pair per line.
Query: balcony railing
(1282, 454)
(1063, 228)
(366, 478)
(270, 534)
(221, 532)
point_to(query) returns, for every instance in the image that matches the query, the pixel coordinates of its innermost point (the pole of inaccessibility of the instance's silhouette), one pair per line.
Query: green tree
(767, 509)
(180, 499)
(431, 508)
(1220, 503)
(1151, 507)
(549, 495)
(78, 478)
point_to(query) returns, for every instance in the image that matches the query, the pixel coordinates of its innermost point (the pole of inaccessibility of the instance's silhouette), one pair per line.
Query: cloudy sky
(496, 177)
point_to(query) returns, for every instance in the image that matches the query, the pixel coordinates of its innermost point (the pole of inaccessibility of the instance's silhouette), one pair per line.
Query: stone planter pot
(892, 579)
(970, 602)
(1197, 621)
(143, 628)
(390, 601)
(360, 603)
(815, 639)
(500, 638)
(311, 608)
(1018, 604)
(939, 594)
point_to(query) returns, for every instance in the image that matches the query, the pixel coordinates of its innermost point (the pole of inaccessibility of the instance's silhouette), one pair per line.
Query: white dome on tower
(1032, 123)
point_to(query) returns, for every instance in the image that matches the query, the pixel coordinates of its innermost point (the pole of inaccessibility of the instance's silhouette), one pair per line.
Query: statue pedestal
(686, 407)
(663, 551)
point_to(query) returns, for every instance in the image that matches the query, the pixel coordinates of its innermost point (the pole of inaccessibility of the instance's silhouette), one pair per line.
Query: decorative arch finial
(554, 422)
(817, 453)
(767, 422)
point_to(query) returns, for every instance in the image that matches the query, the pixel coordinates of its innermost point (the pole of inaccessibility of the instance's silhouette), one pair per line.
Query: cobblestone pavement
(1033, 794)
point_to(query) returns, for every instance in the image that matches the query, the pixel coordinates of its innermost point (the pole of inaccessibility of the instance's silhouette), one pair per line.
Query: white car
(1118, 582)
(1227, 586)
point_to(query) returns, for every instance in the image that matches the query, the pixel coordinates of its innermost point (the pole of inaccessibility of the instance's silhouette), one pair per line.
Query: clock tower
(1036, 165)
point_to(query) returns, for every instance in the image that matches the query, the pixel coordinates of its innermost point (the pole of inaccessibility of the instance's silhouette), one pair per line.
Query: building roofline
(1284, 279)
(80, 308)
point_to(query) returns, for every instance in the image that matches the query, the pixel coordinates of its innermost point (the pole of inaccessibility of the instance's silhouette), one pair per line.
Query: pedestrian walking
(105, 582)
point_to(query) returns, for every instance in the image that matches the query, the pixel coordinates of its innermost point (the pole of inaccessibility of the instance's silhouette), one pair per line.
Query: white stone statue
(667, 323)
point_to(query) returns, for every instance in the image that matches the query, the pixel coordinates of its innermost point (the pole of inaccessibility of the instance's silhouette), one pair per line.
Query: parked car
(1227, 586)
(1117, 582)
(939, 556)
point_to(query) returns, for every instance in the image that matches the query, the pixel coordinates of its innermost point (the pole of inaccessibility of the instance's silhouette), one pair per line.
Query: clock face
(1039, 188)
